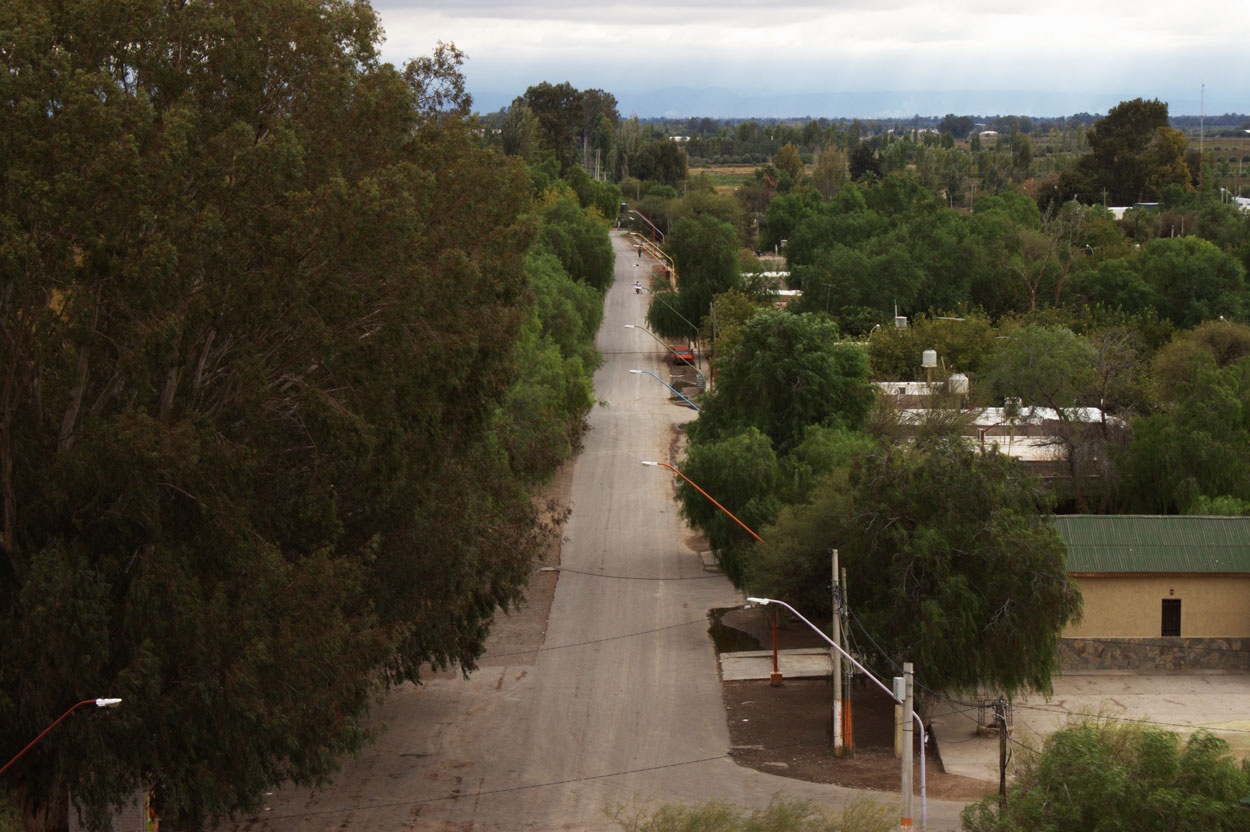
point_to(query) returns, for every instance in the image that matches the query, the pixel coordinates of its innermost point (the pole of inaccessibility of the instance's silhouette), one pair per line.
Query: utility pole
(1000, 716)
(837, 659)
(848, 725)
(905, 787)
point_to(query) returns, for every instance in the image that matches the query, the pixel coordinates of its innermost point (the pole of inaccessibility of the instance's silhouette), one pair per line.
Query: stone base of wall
(1154, 654)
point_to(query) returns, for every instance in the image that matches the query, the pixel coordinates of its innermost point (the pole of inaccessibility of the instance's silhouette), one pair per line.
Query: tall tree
(1192, 281)
(1134, 155)
(830, 170)
(705, 253)
(950, 562)
(788, 161)
(571, 121)
(558, 109)
(1053, 368)
(1192, 448)
(788, 372)
(260, 301)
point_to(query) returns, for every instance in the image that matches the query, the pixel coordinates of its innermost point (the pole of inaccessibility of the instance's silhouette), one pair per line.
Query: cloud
(797, 46)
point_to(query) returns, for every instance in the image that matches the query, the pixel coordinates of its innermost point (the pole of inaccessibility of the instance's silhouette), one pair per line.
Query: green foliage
(787, 372)
(743, 473)
(543, 417)
(705, 253)
(783, 216)
(702, 200)
(781, 815)
(730, 310)
(1193, 281)
(262, 311)
(1133, 157)
(1192, 449)
(1107, 777)
(660, 160)
(1047, 366)
(604, 197)
(949, 558)
(962, 343)
(580, 240)
(566, 118)
(788, 161)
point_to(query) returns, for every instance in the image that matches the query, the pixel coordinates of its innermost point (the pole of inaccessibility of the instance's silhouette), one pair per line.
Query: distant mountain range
(711, 102)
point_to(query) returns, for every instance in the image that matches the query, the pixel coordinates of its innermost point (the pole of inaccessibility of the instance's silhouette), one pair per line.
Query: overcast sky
(970, 57)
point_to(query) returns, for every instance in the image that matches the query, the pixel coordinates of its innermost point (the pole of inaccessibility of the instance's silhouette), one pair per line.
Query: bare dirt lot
(785, 730)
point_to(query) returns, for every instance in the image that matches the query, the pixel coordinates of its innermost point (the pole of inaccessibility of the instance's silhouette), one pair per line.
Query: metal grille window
(1171, 617)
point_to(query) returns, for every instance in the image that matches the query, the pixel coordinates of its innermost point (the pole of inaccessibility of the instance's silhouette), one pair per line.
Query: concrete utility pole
(837, 659)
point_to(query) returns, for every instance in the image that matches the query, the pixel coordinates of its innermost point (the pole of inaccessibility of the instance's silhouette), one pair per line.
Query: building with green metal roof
(1158, 591)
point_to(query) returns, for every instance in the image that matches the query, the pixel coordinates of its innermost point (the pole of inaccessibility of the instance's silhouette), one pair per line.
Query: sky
(843, 58)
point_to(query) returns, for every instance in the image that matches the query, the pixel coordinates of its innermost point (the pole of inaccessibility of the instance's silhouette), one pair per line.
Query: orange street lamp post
(99, 703)
(775, 677)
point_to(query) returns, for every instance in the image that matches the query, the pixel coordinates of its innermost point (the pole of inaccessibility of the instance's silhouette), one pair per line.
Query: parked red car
(681, 356)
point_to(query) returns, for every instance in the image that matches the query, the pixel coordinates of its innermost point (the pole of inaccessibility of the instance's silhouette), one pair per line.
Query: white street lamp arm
(915, 716)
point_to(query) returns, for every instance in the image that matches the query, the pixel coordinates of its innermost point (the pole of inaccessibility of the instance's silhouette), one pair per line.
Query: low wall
(1154, 654)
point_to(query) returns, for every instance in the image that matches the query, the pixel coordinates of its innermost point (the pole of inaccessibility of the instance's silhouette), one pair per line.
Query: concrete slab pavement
(1184, 702)
(802, 663)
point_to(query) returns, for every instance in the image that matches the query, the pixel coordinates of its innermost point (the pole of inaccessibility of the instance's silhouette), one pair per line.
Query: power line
(488, 792)
(629, 577)
(545, 649)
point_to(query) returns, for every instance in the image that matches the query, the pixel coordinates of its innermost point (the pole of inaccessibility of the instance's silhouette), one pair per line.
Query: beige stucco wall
(1212, 606)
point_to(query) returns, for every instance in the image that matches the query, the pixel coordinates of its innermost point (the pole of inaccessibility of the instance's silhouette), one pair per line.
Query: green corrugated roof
(1138, 543)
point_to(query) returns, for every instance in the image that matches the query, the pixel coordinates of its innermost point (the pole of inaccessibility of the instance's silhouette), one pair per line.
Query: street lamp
(669, 386)
(665, 345)
(99, 703)
(905, 791)
(775, 678)
(693, 485)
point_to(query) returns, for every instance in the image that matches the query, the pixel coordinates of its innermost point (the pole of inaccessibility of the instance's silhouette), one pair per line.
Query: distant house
(1159, 592)
(1037, 436)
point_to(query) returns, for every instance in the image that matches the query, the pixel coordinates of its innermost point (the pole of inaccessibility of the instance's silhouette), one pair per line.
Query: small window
(1171, 617)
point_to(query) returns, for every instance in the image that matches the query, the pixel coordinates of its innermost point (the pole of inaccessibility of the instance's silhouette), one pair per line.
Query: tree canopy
(1134, 156)
(263, 304)
(787, 373)
(949, 558)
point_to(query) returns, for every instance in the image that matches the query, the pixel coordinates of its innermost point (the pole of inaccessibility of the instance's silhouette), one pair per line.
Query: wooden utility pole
(1000, 716)
(848, 724)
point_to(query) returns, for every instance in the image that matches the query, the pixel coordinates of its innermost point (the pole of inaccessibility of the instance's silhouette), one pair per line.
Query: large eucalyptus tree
(259, 297)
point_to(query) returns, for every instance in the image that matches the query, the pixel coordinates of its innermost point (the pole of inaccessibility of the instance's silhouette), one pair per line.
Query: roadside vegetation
(1105, 776)
(781, 815)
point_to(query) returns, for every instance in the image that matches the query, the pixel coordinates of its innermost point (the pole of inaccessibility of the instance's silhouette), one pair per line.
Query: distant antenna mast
(1202, 104)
